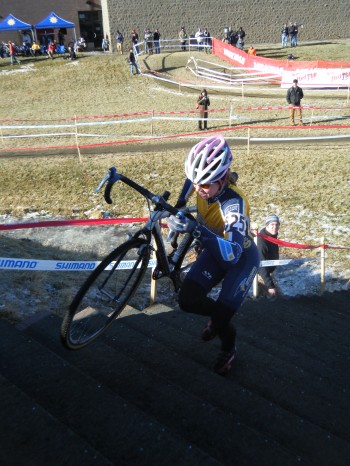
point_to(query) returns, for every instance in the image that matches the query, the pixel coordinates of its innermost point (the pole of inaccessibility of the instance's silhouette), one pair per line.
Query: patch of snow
(21, 69)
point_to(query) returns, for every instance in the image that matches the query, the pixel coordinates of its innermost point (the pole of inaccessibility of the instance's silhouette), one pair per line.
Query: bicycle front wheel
(189, 255)
(105, 293)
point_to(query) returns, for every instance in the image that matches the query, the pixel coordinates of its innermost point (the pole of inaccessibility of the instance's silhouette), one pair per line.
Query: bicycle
(110, 286)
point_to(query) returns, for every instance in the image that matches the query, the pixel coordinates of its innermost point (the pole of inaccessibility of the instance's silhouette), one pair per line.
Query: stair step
(321, 339)
(136, 353)
(279, 381)
(108, 423)
(314, 314)
(31, 436)
(279, 334)
(212, 430)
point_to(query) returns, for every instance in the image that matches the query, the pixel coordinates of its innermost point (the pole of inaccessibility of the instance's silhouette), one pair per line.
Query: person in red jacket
(12, 50)
(51, 50)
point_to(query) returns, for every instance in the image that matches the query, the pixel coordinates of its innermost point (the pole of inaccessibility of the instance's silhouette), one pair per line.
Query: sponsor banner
(283, 262)
(7, 263)
(241, 59)
(304, 71)
(317, 77)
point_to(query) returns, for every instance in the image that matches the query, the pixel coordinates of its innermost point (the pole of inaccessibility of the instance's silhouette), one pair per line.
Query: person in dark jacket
(268, 251)
(133, 63)
(294, 96)
(284, 35)
(293, 32)
(203, 103)
(156, 41)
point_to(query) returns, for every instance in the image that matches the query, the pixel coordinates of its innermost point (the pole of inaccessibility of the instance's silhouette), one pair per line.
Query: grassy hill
(307, 184)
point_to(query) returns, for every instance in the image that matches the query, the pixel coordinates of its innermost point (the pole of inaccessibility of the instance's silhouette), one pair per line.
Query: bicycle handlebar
(113, 176)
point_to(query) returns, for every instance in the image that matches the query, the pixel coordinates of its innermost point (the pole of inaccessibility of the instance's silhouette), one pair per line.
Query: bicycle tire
(105, 293)
(184, 263)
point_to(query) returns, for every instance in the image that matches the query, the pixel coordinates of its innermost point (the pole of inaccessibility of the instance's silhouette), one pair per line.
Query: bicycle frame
(166, 264)
(104, 294)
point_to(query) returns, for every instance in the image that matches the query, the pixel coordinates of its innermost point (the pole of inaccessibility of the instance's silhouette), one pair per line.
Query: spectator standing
(119, 38)
(200, 38)
(234, 38)
(135, 41)
(148, 37)
(269, 251)
(240, 44)
(251, 51)
(4, 49)
(229, 255)
(284, 35)
(203, 102)
(156, 41)
(294, 38)
(105, 44)
(241, 33)
(294, 96)
(183, 38)
(133, 63)
(207, 40)
(12, 51)
(291, 31)
(226, 38)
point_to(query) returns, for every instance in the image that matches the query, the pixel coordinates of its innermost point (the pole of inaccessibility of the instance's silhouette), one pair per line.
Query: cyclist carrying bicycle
(229, 252)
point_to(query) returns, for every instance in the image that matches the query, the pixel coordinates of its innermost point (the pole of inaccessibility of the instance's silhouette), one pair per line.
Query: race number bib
(236, 221)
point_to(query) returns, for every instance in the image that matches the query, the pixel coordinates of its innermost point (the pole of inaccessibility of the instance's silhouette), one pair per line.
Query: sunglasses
(204, 185)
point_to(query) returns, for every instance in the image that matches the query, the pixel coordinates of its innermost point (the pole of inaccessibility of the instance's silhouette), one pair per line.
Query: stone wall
(261, 20)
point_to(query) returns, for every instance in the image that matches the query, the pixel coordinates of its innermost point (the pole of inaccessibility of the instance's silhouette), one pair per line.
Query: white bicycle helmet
(208, 161)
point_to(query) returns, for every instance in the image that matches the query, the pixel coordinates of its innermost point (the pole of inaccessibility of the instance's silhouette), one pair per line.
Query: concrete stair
(144, 393)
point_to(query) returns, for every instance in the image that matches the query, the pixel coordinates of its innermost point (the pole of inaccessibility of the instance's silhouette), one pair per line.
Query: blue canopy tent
(55, 22)
(11, 23)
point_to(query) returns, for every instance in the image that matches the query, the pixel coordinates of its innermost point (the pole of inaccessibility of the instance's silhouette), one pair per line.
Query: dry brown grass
(307, 184)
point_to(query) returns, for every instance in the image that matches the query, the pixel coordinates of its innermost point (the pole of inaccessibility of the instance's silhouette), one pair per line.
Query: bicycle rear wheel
(105, 293)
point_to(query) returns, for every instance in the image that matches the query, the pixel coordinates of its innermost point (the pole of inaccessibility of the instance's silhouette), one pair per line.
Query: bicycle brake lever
(105, 179)
(111, 176)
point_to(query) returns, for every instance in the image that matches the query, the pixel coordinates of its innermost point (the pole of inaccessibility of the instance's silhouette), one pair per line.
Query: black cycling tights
(193, 299)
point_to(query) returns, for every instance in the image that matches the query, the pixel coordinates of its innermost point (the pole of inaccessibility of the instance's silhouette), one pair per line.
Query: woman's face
(207, 191)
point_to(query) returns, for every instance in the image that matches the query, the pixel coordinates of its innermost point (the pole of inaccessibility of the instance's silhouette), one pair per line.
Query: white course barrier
(10, 263)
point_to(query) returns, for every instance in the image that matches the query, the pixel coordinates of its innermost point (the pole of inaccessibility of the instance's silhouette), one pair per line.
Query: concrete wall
(261, 19)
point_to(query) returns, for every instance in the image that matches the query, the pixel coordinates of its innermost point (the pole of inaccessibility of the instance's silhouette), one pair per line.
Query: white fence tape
(284, 262)
(10, 263)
